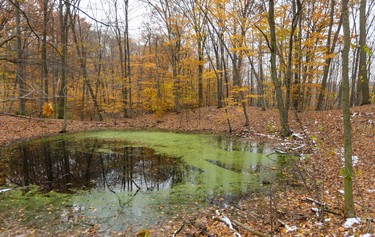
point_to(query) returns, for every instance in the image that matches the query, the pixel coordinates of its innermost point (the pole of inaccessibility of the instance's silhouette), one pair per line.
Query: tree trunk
(354, 97)
(330, 50)
(64, 16)
(348, 173)
(81, 52)
(20, 71)
(259, 81)
(285, 131)
(118, 35)
(297, 88)
(217, 67)
(127, 60)
(44, 69)
(288, 79)
(262, 99)
(363, 83)
(200, 70)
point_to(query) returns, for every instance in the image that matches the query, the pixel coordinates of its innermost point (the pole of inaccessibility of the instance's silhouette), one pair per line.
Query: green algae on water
(137, 178)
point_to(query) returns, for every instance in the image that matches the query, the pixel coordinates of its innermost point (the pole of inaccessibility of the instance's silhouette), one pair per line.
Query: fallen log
(226, 220)
(245, 227)
(178, 230)
(323, 206)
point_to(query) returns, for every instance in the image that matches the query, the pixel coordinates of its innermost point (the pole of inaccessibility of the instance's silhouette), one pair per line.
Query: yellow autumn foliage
(47, 109)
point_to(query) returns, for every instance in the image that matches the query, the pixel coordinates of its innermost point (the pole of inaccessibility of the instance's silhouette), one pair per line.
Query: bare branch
(7, 40)
(86, 14)
(31, 28)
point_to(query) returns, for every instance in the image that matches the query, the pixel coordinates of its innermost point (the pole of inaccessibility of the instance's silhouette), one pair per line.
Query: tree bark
(288, 79)
(20, 71)
(128, 74)
(330, 50)
(363, 83)
(348, 173)
(44, 69)
(285, 131)
(64, 17)
(81, 51)
(121, 48)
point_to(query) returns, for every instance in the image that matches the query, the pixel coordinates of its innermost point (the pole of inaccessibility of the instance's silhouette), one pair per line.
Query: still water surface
(136, 179)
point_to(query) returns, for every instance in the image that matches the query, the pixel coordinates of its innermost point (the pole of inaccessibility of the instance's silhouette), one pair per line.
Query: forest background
(188, 54)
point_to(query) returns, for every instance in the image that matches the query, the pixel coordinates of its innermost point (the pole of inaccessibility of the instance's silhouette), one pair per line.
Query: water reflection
(231, 144)
(64, 165)
(238, 168)
(134, 178)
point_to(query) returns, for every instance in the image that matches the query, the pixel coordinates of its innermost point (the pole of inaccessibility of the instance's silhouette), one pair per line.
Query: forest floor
(290, 207)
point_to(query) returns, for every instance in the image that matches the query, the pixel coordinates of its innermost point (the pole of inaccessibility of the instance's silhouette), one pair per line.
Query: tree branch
(7, 40)
(31, 28)
(265, 36)
(86, 14)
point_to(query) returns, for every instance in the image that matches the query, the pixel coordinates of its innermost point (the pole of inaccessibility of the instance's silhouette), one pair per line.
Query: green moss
(29, 206)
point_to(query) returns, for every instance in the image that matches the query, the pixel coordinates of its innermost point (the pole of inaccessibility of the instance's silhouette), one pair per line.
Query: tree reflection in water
(63, 165)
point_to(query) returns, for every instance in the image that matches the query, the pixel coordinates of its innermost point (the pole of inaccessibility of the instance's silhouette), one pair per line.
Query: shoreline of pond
(21, 128)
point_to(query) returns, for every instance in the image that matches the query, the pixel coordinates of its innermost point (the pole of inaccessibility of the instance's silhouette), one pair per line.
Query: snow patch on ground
(298, 147)
(351, 221)
(319, 223)
(76, 208)
(298, 136)
(355, 159)
(366, 235)
(290, 228)
(227, 221)
(5, 190)
(316, 210)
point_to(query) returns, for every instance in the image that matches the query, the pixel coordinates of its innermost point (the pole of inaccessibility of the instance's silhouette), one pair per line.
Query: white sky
(101, 10)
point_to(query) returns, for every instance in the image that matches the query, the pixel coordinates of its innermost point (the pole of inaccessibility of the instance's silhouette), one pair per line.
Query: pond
(136, 179)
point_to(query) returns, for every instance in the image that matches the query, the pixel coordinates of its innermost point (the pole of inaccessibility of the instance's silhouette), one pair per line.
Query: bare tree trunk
(200, 71)
(20, 71)
(82, 111)
(175, 73)
(354, 97)
(297, 90)
(223, 71)
(288, 79)
(363, 83)
(128, 74)
(64, 17)
(330, 50)
(259, 81)
(348, 173)
(285, 131)
(262, 99)
(44, 70)
(119, 41)
(217, 67)
(81, 51)
(198, 22)
(158, 83)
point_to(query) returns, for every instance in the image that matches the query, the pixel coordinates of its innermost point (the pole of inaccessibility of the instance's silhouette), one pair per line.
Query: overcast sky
(102, 10)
